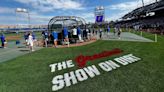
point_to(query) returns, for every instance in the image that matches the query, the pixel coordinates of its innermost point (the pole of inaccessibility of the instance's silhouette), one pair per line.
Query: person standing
(3, 41)
(85, 33)
(119, 33)
(31, 42)
(89, 34)
(65, 33)
(93, 31)
(55, 36)
(26, 37)
(108, 30)
(43, 32)
(96, 31)
(46, 38)
(74, 34)
(79, 33)
(34, 38)
(115, 30)
(100, 35)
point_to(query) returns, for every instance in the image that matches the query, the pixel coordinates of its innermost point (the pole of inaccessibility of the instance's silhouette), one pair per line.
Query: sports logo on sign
(99, 18)
(82, 60)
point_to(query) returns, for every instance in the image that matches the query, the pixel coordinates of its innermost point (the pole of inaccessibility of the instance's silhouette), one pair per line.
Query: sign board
(99, 18)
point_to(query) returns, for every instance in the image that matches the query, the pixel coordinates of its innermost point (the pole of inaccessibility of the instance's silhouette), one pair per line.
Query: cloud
(126, 7)
(123, 6)
(88, 16)
(129, 5)
(35, 17)
(11, 20)
(5, 10)
(116, 11)
(22, 18)
(115, 16)
(51, 5)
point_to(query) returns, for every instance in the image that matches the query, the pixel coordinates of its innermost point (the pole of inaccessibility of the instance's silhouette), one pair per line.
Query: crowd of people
(65, 37)
(75, 35)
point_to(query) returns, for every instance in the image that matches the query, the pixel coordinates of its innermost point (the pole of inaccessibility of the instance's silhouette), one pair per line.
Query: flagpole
(143, 3)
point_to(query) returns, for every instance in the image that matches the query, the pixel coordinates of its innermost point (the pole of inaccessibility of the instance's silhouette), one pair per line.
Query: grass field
(31, 72)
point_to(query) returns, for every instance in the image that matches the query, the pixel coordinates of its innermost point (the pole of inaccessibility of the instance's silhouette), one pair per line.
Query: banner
(99, 18)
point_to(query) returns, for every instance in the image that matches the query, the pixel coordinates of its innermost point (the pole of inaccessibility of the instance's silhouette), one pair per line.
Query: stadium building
(147, 17)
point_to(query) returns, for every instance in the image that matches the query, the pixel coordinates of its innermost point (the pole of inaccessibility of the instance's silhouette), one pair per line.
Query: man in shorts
(74, 34)
(31, 42)
(46, 38)
(79, 33)
(119, 32)
(65, 33)
(26, 37)
(115, 30)
(55, 36)
(100, 33)
(108, 30)
(85, 33)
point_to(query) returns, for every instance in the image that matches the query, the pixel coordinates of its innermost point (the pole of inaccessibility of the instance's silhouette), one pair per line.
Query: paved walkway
(125, 36)
(12, 51)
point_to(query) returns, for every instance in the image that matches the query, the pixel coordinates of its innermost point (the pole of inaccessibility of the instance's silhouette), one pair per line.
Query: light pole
(22, 10)
(28, 18)
(143, 3)
(16, 21)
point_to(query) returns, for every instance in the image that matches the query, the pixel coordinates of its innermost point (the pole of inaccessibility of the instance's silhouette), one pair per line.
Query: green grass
(31, 72)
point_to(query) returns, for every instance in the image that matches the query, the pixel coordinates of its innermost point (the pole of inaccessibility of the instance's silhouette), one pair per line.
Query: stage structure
(99, 14)
(58, 22)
